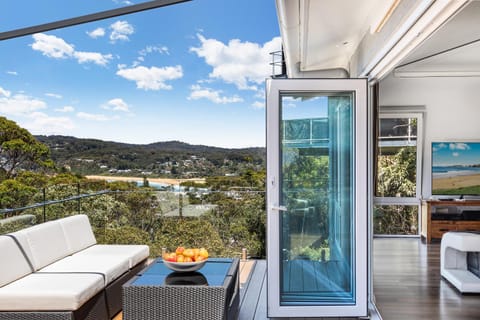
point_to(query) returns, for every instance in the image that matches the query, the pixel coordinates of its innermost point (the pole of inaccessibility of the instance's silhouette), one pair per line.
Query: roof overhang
(368, 38)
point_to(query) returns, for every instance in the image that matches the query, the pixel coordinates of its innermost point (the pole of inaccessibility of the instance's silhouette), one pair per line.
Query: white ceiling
(346, 22)
(452, 50)
(324, 34)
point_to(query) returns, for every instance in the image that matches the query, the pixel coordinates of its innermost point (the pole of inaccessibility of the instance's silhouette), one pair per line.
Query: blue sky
(455, 153)
(192, 72)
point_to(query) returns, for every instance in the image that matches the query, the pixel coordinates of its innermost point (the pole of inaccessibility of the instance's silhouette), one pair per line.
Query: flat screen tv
(456, 168)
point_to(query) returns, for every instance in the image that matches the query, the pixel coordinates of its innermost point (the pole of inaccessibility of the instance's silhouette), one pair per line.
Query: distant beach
(454, 182)
(169, 181)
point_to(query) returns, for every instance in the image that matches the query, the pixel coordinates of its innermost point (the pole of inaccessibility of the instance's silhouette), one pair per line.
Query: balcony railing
(223, 221)
(279, 69)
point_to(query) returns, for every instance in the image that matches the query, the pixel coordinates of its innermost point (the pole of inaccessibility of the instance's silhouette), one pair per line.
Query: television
(456, 168)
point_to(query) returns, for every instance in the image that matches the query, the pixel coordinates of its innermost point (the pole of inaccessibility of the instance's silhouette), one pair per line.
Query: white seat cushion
(78, 232)
(14, 265)
(134, 253)
(42, 292)
(45, 243)
(111, 267)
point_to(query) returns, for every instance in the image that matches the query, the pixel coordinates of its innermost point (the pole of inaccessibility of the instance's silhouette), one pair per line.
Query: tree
(20, 150)
(15, 194)
(396, 178)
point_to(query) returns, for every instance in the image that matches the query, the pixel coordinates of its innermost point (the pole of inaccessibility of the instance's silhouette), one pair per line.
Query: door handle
(279, 208)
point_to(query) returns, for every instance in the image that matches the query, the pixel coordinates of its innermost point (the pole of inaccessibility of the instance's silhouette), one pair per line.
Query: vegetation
(19, 150)
(121, 212)
(396, 177)
(162, 159)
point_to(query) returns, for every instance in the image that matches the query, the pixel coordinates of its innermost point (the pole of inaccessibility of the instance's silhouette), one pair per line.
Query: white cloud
(152, 49)
(116, 104)
(52, 46)
(258, 105)
(152, 78)
(55, 47)
(149, 50)
(99, 32)
(41, 122)
(20, 105)
(127, 2)
(455, 154)
(65, 109)
(53, 95)
(92, 116)
(212, 95)
(13, 73)
(459, 146)
(244, 64)
(4, 92)
(121, 30)
(95, 57)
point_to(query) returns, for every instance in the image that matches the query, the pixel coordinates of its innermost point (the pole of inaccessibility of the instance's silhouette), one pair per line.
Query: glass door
(316, 197)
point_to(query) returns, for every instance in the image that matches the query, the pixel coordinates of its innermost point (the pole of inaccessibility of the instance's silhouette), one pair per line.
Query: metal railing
(46, 203)
(279, 68)
(149, 216)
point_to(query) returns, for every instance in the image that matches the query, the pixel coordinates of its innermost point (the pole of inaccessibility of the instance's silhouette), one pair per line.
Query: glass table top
(213, 273)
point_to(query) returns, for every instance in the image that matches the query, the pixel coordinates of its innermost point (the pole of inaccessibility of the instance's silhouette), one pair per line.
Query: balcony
(406, 272)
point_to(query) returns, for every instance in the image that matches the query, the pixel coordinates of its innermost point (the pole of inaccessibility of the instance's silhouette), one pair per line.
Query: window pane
(397, 158)
(395, 220)
(317, 233)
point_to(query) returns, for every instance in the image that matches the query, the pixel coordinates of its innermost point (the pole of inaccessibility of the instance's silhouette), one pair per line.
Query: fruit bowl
(184, 266)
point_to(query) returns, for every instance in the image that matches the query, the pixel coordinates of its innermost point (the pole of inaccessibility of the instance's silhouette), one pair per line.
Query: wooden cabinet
(446, 217)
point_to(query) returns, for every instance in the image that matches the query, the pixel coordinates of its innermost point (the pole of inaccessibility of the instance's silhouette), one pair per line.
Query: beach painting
(456, 168)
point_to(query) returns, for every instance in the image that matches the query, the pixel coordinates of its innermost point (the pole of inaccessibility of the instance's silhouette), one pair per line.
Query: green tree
(396, 178)
(397, 174)
(15, 194)
(189, 232)
(20, 150)
(240, 222)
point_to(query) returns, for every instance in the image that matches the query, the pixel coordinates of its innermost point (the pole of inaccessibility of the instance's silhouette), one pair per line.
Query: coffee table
(159, 293)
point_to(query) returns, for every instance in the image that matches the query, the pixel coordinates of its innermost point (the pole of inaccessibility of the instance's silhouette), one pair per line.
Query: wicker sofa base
(103, 306)
(94, 309)
(114, 290)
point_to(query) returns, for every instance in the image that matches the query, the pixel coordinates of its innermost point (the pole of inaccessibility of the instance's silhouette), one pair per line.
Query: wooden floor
(408, 285)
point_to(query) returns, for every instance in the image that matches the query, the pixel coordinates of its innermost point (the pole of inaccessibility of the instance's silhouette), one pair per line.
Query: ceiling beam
(88, 18)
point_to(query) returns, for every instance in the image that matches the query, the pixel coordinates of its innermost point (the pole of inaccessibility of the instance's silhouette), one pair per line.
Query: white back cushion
(47, 243)
(78, 232)
(14, 265)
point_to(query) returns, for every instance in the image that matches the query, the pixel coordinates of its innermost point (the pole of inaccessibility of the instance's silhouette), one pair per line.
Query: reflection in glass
(317, 234)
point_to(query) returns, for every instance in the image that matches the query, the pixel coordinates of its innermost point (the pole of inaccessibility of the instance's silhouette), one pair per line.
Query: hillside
(163, 159)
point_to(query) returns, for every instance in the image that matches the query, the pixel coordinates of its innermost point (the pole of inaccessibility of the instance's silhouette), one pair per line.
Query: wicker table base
(176, 302)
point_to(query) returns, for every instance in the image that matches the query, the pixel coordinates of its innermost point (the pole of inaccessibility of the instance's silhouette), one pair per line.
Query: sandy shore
(158, 180)
(456, 182)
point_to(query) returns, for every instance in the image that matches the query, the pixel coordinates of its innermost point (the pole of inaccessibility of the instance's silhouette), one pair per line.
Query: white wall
(452, 110)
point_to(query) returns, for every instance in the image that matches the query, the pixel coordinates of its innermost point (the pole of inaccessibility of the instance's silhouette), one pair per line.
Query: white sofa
(453, 260)
(55, 270)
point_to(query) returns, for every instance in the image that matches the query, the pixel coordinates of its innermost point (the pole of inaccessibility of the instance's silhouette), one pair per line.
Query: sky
(192, 72)
(455, 153)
